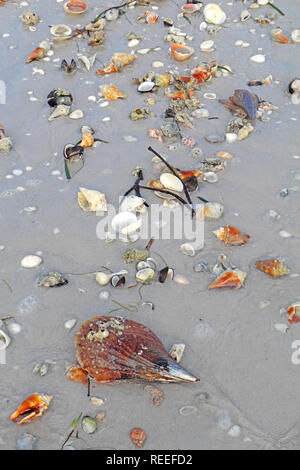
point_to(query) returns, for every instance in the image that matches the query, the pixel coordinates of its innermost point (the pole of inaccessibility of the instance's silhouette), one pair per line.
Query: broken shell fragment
(52, 279)
(181, 52)
(231, 236)
(111, 349)
(293, 313)
(230, 278)
(4, 340)
(32, 407)
(273, 267)
(214, 14)
(171, 182)
(111, 92)
(177, 351)
(210, 210)
(91, 200)
(138, 436)
(295, 35)
(278, 35)
(75, 7)
(61, 31)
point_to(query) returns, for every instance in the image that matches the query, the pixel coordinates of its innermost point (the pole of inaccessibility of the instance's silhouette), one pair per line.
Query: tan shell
(91, 201)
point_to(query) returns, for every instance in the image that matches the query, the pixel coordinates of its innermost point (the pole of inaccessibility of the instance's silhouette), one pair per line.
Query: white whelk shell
(207, 46)
(133, 203)
(295, 35)
(31, 261)
(77, 114)
(214, 14)
(91, 200)
(171, 182)
(176, 352)
(258, 58)
(145, 275)
(60, 31)
(191, 248)
(146, 87)
(4, 340)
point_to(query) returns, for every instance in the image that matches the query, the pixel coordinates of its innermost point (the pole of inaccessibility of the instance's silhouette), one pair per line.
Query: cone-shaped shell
(230, 278)
(273, 267)
(91, 201)
(112, 348)
(37, 54)
(181, 52)
(111, 92)
(278, 35)
(32, 407)
(231, 236)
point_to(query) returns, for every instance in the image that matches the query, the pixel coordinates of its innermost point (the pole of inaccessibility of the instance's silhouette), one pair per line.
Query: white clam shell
(145, 275)
(133, 203)
(146, 87)
(171, 182)
(77, 114)
(125, 222)
(210, 210)
(258, 58)
(295, 35)
(207, 46)
(214, 14)
(31, 261)
(103, 278)
(4, 340)
(60, 30)
(91, 200)
(191, 248)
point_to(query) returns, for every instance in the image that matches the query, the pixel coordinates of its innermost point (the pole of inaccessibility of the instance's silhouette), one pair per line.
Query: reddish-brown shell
(32, 407)
(231, 278)
(112, 348)
(273, 267)
(118, 61)
(231, 236)
(138, 436)
(37, 54)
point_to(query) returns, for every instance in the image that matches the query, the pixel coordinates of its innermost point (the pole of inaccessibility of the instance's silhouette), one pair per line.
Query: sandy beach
(247, 397)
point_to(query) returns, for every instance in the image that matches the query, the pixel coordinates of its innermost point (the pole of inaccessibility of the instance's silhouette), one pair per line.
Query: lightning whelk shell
(171, 182)
(214, 14)
(91, 200)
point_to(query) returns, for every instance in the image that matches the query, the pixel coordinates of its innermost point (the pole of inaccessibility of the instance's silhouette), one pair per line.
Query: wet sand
(244, 364)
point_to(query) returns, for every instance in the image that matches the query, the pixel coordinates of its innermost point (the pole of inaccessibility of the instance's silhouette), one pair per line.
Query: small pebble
(215, 138)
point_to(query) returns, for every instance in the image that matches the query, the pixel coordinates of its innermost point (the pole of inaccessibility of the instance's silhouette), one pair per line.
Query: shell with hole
(91, 200)
(61, 32)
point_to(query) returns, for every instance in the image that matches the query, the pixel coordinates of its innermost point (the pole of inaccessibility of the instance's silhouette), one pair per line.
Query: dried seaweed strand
(111, 8)
(276, 8)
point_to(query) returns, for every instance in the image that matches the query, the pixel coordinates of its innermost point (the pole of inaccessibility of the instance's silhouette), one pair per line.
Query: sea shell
(89, 425)
(145, 275)
(294, 86)
(231, 236)
(171, 182)
(125, 223)
(230, 278)
(295, 35)
(242, 103)
(138, 437)
(150, 17)
(75, 7)
(176, 352)
(207, 46)
(118, 61)
(39, 53)
(133, 203)
(60, 30)
(91, 200)
(293, 313)
(52, 279)
(273, 267)
(163, 80)
(59, 96)
(60, 110)
(76, 114)
(111, 348)
(190, 8)
(278, 35)
(258, 58)
(103, 278)
(30, 18)
(31, 261)
(146, 87)
(4, 340)
(111, 92)
(181, 52)
(32, 407)
(112, 15)
(65, 67)
(214, 14)
(98, 26)
(210, 210)
(191, 248)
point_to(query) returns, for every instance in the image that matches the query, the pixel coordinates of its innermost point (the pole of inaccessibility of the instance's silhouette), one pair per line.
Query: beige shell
(176, 352)
(60, 30)
(91, 201)
(214, 14)
(171, 182)
(191, 248)
(103, 278)
(145, 275)
(211, 210)
(295, 35)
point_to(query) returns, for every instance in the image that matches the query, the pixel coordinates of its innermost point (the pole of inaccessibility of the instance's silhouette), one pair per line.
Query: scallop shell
(113, 349)
(4, 340)
(60, 30)
(171, 182)
(75, 7)
(214, 14)
(91, 200)
(295, 35)
(181, 52)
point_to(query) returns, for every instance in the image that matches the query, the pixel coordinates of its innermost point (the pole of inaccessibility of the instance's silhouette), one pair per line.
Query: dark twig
(110, 8)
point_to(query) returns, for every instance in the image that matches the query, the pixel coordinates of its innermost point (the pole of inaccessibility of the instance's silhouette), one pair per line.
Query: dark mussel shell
(294, 85)
(243, 100)
(111, 348)
(192, 183)
(59, 96)
(68, 68)
(170, 113)
(73, 152)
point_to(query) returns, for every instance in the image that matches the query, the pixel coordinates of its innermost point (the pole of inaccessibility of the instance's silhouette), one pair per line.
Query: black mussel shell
(68, 68)
(170, 113)
(117, 280)
(73, 152)
(192, 183)
(294, 86)
(59, 96)
(163, 274)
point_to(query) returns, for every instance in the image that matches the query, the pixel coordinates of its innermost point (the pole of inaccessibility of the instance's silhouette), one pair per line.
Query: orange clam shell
(231, 236)
(181, 52)
(273, 267)
(111, 348)
(32, 407)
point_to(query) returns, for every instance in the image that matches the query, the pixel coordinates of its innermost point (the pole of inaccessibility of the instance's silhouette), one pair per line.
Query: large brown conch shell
(111, 349)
